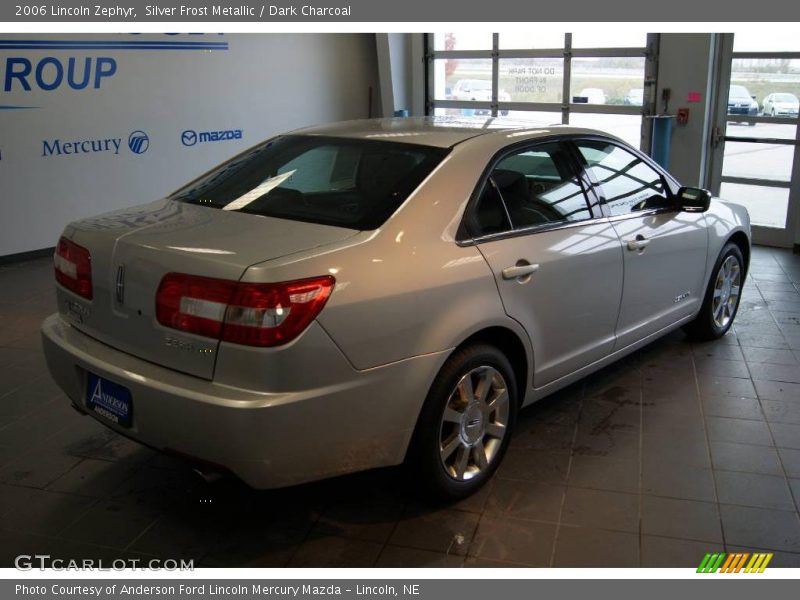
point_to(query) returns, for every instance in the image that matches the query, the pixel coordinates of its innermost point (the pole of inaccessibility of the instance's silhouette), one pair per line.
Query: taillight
(73, 267)
(253, 314)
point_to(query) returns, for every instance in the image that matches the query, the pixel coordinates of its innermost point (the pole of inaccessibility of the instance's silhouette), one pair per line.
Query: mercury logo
(138, 142)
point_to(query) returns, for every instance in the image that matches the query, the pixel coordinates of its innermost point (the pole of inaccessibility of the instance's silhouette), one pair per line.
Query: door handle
(519, 271)
(640, 243)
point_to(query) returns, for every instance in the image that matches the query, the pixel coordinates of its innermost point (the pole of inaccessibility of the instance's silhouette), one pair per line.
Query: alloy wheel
(474, 423)
(727, 289)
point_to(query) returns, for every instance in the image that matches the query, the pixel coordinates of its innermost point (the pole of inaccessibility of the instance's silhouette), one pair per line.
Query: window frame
(671, 184)
(465, 237)
(561, 110)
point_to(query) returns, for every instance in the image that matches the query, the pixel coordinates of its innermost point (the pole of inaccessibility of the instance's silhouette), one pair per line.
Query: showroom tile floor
(678, 450)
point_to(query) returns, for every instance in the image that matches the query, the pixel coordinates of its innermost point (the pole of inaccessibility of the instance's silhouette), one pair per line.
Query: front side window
(351, 183)
(628, 184)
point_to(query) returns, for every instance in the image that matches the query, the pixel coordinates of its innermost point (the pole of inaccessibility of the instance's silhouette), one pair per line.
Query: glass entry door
(755, 144)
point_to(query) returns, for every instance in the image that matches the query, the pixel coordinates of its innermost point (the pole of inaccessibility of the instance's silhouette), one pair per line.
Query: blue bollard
(662, 137)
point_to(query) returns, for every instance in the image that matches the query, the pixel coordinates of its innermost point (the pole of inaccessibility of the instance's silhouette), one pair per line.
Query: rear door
(664, 248)
(557, 261)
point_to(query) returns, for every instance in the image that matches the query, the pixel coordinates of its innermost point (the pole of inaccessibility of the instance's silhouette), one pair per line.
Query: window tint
(627, 182)
(490, 214)
(532, 187)
(350, 183)
(539, 187)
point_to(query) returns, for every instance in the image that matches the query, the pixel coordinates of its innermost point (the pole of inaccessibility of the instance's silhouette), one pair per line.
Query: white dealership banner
(97, 122)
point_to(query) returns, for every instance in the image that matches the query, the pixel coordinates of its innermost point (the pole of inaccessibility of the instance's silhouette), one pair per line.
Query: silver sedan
(381, 292)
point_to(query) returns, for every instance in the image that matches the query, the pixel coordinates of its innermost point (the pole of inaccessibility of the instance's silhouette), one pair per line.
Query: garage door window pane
(462, 40)
(536, 118)
(767, 205)
(531, 80)
(607, 80)
(768, 86)
(463, 79)
(758, 161)
(602, 39)
(625, 127)
(627, 182)
(533, 40)
(758, 42)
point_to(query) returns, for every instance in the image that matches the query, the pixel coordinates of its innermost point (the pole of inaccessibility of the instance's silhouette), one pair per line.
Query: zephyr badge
(119, 286)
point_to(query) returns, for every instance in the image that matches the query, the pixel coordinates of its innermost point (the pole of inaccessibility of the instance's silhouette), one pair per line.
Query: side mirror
(694, 199)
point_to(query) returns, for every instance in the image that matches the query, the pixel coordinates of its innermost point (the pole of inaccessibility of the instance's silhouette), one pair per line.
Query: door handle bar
(519, 271)
(638, 244)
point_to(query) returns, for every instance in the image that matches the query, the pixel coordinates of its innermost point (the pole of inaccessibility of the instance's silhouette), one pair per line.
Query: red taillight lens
(73, 267)
(253, 314)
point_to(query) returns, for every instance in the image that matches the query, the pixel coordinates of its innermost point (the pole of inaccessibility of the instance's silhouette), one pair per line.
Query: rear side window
(533, 187)
(628, 184)
(350, 183)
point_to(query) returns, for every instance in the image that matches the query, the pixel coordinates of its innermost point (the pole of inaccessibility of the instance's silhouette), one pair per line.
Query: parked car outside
(634, 97)
(478, 90)
(592, 96)
(740, 102)
(375, 292)
(781, 104)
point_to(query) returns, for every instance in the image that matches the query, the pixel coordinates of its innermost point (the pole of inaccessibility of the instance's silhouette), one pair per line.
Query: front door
(664, 248)
(558, 265)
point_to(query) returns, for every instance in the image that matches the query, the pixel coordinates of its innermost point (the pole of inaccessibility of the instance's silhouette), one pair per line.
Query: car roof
(445, 131)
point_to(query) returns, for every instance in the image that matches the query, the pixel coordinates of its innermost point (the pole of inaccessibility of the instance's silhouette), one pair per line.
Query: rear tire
(721, 302)
(465, 424)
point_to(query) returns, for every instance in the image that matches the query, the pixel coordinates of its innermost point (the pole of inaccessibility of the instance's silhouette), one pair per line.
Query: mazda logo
(138, 142)
(189, 137)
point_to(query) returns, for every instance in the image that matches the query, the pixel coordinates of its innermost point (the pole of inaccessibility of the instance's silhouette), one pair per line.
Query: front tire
(722, 298)
(465, 424)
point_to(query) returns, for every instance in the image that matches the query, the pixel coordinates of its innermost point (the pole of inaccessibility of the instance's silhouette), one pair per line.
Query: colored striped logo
(138, 142)
(739, 562)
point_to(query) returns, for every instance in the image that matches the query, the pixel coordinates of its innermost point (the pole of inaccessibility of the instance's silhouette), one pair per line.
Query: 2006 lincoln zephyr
(374, 292)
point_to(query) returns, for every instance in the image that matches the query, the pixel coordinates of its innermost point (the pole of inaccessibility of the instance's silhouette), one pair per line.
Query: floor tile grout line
(551, 562)
(66, 539)
(641, 462)
(768, 423)
(708, 447)
(144, 531)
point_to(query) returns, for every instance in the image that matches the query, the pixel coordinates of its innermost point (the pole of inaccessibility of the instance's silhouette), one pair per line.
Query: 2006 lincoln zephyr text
(374, 292)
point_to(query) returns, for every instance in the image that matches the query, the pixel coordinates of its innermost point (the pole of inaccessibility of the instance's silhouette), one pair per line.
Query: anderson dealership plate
(110, 400)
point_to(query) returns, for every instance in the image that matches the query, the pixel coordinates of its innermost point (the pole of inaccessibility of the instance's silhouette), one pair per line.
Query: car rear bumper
(267, 439)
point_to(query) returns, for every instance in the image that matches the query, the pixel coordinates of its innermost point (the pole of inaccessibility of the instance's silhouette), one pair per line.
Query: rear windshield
(351, 183)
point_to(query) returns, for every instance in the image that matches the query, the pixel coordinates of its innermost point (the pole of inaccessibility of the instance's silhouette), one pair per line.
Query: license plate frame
(110, 400)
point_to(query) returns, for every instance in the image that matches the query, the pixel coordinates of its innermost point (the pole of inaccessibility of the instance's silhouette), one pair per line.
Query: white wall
(261, 84)
(684, 65)
(396, 58)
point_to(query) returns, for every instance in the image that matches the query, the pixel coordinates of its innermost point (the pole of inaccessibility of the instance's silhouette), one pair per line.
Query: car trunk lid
(132, 250)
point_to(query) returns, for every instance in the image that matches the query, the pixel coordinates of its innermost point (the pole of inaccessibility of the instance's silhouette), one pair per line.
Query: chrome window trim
(530, 230)
(545, 227)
